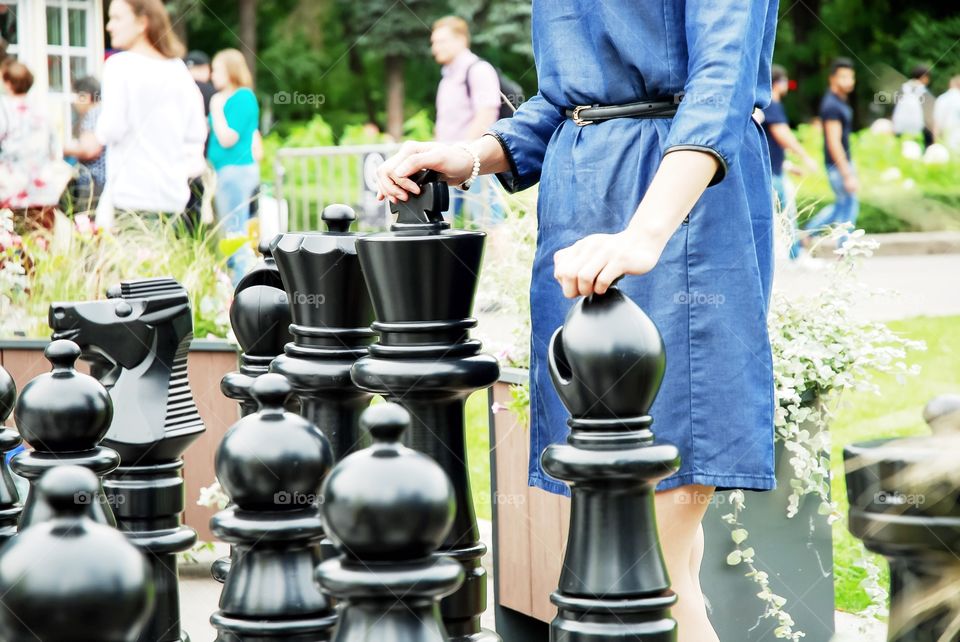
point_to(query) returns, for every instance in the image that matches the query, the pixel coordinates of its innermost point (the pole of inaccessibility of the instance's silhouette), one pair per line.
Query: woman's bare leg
(679, 513)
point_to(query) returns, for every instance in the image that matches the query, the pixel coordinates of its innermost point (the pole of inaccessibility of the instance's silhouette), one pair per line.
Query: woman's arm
(513, 149)
(595, 262)
(453, 163)
(726, 40)
(112, 125)
(226, 136)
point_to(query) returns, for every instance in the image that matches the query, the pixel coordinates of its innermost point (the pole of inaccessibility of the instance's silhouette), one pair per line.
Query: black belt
(658, 108)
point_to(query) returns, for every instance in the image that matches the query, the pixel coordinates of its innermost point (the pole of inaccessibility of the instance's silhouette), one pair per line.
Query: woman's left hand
(593, 263)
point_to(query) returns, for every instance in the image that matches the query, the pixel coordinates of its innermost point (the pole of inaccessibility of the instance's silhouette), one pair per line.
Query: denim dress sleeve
(524, 138)
(723, 39)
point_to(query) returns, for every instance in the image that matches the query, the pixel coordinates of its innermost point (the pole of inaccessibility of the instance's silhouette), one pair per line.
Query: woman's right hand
(454, 164)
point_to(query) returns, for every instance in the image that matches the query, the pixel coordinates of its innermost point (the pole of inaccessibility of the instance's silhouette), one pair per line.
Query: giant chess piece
(422, 278)
(71, 579)
(331, 326)
(272, 464)
(607, 361)
(63, 415)
(389, 508)
(137, 342)
(10, 507)
(903, 505)
(260, 318)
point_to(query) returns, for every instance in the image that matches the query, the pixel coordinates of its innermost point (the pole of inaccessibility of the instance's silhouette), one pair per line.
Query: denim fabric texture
(236, 185)
(844, 208)
(710, 291)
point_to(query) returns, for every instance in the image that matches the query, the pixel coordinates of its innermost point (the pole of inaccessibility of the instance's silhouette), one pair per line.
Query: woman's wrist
(654, 226)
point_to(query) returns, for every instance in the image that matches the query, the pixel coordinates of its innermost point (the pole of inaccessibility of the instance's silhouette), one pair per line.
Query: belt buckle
(576, 116)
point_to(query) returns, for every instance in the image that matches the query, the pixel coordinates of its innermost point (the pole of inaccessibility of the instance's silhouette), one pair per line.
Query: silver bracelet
(465, 185)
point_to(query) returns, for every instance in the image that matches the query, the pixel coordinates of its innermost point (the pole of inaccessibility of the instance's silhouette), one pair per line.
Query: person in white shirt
(946, 116)
(152, 120)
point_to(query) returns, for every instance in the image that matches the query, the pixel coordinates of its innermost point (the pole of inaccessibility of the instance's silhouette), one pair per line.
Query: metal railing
(309, 178)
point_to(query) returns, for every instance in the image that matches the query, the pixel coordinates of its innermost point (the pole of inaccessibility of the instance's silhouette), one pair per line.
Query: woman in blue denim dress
(680, 204)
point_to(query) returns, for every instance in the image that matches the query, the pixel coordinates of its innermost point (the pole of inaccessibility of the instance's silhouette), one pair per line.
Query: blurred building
(61, 41)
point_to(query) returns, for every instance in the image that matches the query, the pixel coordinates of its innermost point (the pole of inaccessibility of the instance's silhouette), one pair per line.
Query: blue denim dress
(710, 291)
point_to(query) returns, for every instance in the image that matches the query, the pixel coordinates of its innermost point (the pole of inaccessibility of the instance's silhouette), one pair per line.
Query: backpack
(511, 93)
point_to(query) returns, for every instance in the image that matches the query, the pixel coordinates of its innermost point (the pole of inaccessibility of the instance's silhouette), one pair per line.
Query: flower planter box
(207, 362)
(530, 531)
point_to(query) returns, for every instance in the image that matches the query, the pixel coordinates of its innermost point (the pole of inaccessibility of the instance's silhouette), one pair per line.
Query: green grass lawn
(896, 411)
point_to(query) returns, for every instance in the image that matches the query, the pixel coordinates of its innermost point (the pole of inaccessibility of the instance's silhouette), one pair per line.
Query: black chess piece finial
(904, 505)
(10, 507)
(271, 464)
(389, 509)
(607, 362)
(260, 318)
(63, 415)
(70, 579)
(331, 326)
(422, 279)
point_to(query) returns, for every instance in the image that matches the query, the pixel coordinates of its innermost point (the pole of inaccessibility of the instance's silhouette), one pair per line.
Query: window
(69, 54)
(9, 36)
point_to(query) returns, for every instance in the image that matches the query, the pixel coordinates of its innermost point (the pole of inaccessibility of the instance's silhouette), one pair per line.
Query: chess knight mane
(136, 341)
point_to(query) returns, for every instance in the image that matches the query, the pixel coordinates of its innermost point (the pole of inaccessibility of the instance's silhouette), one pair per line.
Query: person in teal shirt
(234, 116)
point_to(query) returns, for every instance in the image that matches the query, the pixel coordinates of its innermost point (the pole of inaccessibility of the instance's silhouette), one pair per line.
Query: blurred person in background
(92, 170)
(234, 117)
(946, 116)
(780, 138)
(837, 117)
(151, 120)
(913, 107)
(32, 175)
(198, 62)
(468, 103)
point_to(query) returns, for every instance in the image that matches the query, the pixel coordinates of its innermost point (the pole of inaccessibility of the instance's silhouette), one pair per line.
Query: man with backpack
(469, 101)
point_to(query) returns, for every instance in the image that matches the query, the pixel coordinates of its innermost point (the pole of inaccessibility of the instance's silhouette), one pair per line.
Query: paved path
(200, 595)
(924, 285)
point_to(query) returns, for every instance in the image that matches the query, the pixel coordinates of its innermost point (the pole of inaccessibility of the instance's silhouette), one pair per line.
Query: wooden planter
(530, 532)
(207, 363)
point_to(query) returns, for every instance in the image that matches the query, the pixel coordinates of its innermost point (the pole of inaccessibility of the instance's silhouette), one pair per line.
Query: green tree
(401, 31)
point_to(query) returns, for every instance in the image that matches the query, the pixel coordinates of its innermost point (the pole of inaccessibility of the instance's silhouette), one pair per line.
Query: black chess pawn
(260, 318)
(63, 415)
(903, 505)
(332, 313)
(272, 464)
(70, 579)
(607, 361)
(10, 507)
(389, 509)
(422, 278)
